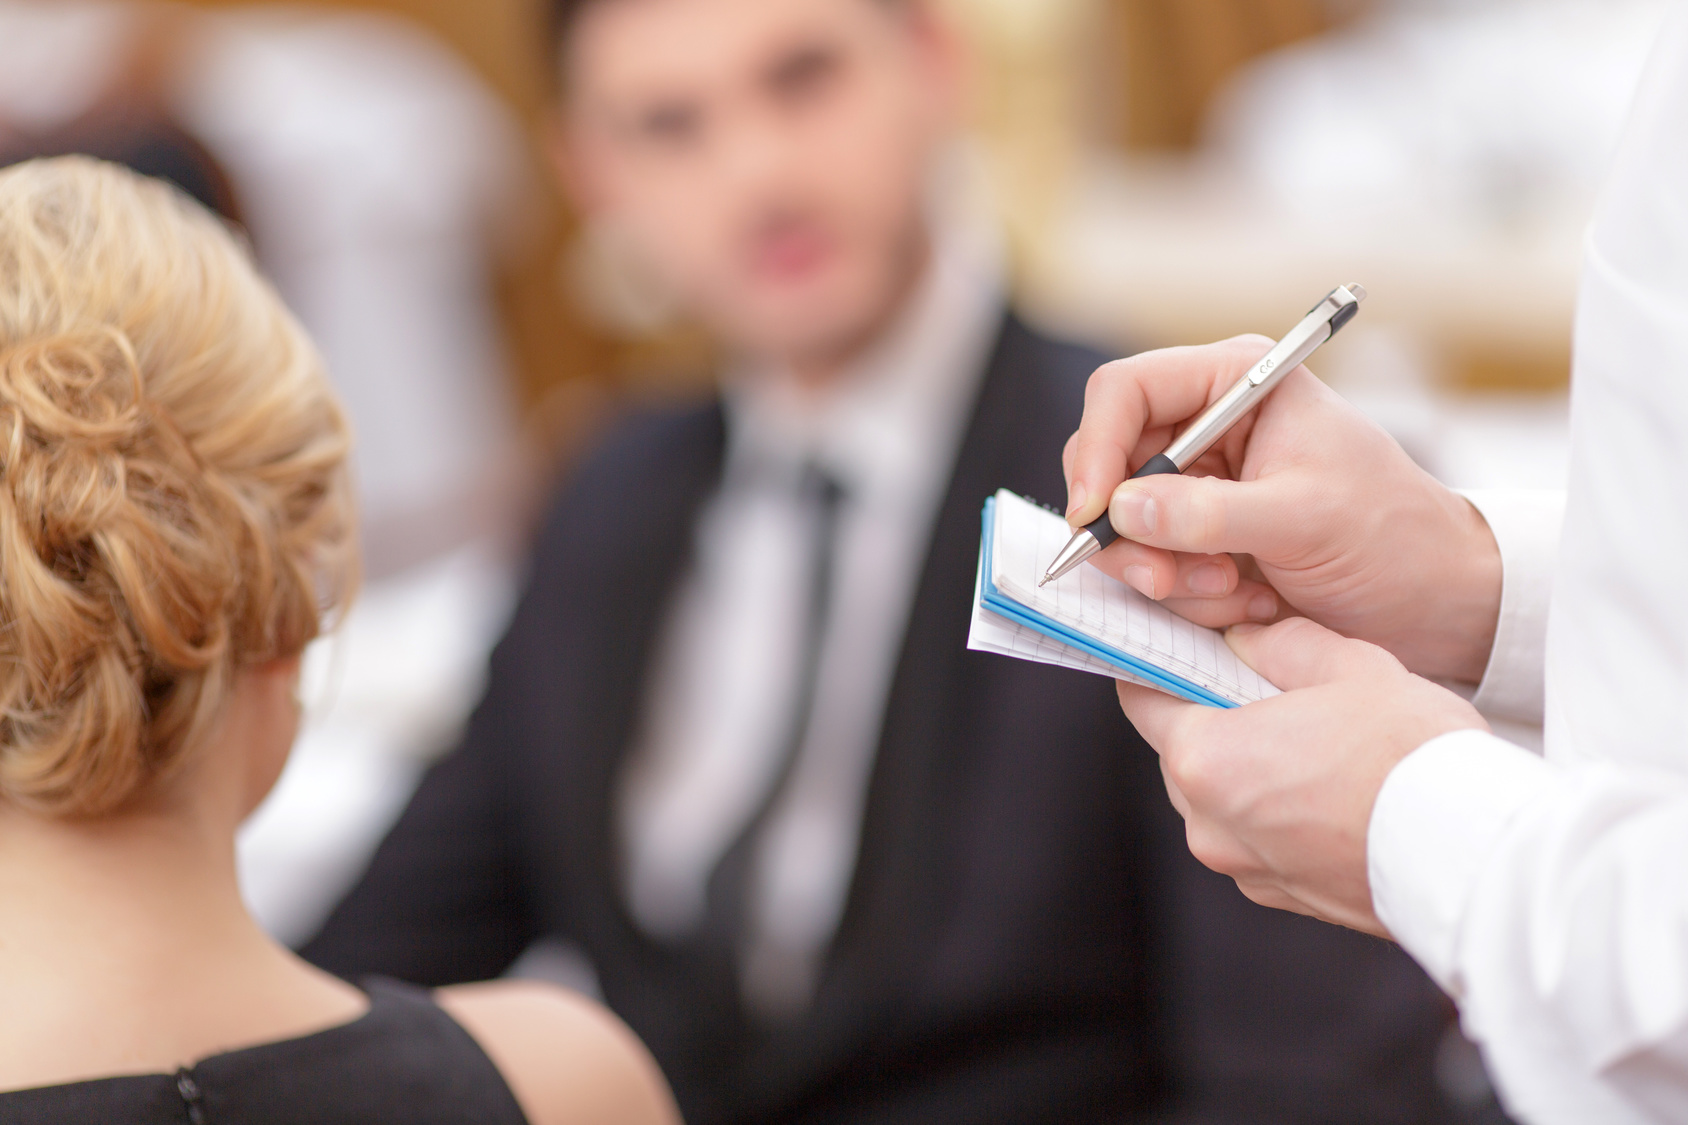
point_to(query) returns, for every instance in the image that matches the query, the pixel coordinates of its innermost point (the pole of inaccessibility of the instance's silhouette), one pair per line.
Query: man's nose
(757, 150)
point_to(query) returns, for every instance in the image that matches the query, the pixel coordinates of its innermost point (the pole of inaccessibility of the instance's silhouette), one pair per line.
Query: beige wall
(1054, 74)
(1175, 54)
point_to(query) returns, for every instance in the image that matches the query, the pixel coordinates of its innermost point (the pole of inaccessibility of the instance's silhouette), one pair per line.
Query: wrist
(1459, 633)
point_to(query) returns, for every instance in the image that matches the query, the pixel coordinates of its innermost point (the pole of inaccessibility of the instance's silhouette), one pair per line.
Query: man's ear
(944, 56)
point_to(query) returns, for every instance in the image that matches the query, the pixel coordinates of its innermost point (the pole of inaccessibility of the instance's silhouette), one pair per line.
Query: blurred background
(1161, 172)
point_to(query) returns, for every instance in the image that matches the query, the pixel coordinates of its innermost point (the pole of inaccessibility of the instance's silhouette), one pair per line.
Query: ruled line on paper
(1027, 537)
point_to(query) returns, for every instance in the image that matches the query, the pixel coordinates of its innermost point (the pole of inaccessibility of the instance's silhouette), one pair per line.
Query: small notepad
(1089, 622)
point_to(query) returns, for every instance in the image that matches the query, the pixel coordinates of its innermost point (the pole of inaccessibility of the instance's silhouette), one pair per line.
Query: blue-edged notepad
(1088, 621)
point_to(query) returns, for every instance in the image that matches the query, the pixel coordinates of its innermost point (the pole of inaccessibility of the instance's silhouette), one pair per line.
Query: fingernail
(1141, 579)
(1133, 512)
(1263, 607)
(1210, 578)
(1076, 496)
(1244, 629)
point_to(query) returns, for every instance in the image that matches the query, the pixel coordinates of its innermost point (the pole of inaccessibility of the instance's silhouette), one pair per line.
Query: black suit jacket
(1024, 938)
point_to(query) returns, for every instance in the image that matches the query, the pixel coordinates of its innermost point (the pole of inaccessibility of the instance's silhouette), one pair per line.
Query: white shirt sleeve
(1549, 896)
(1552, 904)
(1526, 525)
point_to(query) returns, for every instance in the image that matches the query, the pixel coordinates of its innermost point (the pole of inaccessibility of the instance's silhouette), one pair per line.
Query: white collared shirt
(1549, 895)
(724, 683)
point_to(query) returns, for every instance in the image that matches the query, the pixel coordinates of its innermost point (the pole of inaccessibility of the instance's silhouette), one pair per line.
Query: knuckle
(1141, 554)
(1248, 342)
(1192, 771)
(1206, 512)
(1107, 377)
(1211, 848)
(1259, 890)
(1292, 642)
(1377, 661)
(1208, 612)
(1296, 629)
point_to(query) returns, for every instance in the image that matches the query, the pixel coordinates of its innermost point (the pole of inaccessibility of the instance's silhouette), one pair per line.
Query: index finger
(1128, 396)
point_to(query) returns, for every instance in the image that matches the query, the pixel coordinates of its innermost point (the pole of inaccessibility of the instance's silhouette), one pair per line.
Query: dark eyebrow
(666, 117)
(802, 64)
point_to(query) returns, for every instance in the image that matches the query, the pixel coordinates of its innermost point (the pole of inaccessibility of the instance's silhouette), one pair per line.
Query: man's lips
(789, 255)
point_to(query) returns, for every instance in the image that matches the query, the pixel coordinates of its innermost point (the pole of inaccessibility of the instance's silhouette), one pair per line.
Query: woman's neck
(160, 870)
(146, 874)
(125, 946)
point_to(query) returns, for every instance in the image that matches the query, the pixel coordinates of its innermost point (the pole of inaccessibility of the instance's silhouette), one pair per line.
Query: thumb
(1298, 653)
(1148, 391)
(1209, 515)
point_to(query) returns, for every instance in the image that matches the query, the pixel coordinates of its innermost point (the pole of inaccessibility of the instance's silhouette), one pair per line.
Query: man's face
(768, 157)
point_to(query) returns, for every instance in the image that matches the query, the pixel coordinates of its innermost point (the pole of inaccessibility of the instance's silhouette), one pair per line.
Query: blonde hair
(174, 501)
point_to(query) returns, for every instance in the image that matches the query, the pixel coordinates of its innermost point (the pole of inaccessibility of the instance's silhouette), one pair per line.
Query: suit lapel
(897, 898)
(646, 544)
(931, 704)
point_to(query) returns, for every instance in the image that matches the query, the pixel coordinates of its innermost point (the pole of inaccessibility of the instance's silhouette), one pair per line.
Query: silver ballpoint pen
(1319, 325)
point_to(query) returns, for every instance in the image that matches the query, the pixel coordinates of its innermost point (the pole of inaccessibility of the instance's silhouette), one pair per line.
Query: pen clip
(1263, 370)
(1333, 311)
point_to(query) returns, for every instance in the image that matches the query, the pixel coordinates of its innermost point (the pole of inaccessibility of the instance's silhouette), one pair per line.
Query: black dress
(404, 1060)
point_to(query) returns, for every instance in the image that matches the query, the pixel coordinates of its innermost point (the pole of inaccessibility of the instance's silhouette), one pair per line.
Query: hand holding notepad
(1088, 621)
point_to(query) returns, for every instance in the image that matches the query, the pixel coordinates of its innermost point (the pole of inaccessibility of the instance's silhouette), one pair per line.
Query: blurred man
(828, 863)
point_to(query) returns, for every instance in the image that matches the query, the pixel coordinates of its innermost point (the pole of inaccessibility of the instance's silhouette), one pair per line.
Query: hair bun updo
(174, 502)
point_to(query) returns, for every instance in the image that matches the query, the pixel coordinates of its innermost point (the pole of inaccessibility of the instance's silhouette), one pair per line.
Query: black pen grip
(1100, 528)
(1155, 466)
(1103, 531)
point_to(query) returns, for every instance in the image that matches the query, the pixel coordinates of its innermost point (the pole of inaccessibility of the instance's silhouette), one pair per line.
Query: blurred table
(1153, 252)
(1462, 351)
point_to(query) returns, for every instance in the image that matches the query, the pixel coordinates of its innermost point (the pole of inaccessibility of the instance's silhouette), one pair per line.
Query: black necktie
(726, 913)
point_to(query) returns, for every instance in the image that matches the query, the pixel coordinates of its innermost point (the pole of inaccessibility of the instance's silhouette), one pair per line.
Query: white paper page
(1027, 539)
(991, 632)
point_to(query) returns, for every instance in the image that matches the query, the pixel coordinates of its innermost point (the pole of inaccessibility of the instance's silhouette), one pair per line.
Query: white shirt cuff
(1526, 526)
(1437, 818)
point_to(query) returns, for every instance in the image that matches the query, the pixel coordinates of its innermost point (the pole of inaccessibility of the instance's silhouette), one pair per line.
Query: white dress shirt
(724, 681)
(1549, 895)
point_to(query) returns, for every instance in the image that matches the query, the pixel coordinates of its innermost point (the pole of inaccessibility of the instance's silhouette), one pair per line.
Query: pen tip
(1041, 581)
(1357, 289)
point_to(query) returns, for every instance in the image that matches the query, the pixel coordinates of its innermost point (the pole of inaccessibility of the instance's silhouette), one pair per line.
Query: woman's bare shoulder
(568, 1060)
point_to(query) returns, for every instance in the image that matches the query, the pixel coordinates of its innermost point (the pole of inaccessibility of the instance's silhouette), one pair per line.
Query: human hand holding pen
(1332, 516)
(1331, 513)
